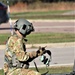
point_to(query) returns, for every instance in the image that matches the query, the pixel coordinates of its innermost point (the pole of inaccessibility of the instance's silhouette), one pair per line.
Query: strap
(36, 66)
(38, 69)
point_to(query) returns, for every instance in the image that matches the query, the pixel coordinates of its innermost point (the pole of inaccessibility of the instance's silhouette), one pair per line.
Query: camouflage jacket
(16, 45)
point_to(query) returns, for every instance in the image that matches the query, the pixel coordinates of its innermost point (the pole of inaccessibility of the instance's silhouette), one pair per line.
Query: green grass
(1, 72)
(49, 17)
(38, 38)
(51, 70)
(4, 38)
(42, 12)
(43, 15)
(50, 38)
(55, 70)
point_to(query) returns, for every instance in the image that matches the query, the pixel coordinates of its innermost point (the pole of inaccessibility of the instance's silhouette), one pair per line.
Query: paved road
(46, 26)
(63, 55)
(69, 13)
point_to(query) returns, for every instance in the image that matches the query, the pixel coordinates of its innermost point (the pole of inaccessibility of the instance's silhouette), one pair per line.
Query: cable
(36, 66)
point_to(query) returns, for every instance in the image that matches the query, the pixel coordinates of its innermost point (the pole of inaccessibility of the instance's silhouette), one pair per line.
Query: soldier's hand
(41, 51)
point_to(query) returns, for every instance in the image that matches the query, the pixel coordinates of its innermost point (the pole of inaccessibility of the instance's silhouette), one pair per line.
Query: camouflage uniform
(16, 46)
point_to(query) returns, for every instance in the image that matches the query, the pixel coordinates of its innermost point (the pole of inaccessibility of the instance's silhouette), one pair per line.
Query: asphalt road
(46, 26)
(60, 56)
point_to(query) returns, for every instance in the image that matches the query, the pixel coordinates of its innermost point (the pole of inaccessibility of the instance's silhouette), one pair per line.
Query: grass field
(42, 12)
(39, 38)
(1, 72)
(43, 15)
(52, 70)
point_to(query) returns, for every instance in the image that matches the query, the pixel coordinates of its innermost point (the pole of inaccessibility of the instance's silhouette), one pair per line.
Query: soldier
(16, 58)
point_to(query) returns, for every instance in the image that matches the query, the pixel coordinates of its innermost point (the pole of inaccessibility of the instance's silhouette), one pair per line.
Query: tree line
(12, 2)
(48, 0)
(31, 1)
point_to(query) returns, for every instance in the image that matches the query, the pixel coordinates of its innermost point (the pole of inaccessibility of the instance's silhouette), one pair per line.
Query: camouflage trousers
(20, 71)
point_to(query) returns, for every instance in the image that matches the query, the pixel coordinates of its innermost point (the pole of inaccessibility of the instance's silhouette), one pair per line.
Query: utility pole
(9, 18)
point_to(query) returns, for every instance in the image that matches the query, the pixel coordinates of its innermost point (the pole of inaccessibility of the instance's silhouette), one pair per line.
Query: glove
(35, 54)
(41, 51)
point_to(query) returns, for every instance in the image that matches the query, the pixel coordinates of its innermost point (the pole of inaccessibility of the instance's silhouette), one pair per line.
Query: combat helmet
(24, 26)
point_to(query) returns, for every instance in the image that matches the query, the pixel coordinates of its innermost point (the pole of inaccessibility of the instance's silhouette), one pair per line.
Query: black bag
(3, 13)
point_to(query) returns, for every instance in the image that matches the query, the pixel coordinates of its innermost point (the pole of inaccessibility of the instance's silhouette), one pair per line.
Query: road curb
(51, 45)
(56, 65)
(45, 20)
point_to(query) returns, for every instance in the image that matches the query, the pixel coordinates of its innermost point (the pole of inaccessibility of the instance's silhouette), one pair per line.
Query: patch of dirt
(19, 7)
(23, 7)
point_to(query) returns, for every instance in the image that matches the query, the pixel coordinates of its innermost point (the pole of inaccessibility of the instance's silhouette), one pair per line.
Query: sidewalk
(51, 45)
